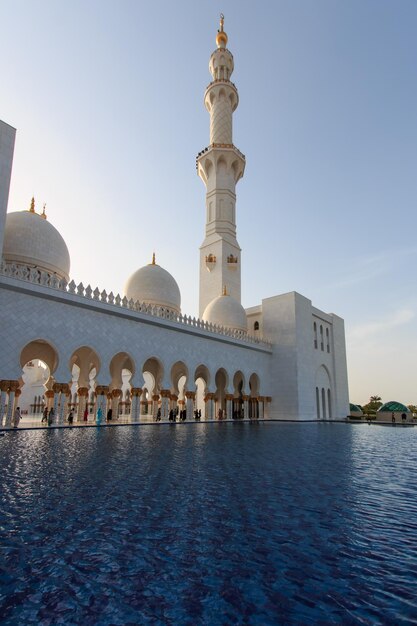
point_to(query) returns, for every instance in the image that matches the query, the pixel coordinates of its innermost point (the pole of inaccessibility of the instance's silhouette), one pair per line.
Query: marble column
(116, 394)
(82, 402)
(261, 401)
(49, 395)
(56, 388)
(173, 400)
(135, 394)
(101, 394)
(155, 400)
(4, 386)
(209, 406)
(65, 393)
(165, 395)
(13, 387)
(245, 406)
(190, 395)
(229, 406)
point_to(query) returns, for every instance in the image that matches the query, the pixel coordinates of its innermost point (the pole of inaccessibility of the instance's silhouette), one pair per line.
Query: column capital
(82, 391)
(49, 393)
(208, 396)
(56, 387)
(155, 397)
(136, 391)
(190, 395)
(13, 385)
(165, 393)
(65, 388)
(116, 393)
(18, 393)
(229, 396)
(102, 390)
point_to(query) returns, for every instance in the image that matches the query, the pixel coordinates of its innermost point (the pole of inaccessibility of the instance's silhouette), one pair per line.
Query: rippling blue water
(232, 523)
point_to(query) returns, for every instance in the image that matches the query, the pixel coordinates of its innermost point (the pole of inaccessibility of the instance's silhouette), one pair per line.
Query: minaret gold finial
(153, 259)
(43, 212)
(221, 39)
(32, 205)
(224, 291)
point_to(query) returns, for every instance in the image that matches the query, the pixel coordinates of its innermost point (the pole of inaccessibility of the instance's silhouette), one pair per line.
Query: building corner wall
(341, 385)
(279, 325)
(7, 139)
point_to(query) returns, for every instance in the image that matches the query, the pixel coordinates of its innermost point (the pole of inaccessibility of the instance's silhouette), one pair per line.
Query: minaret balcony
(232, 262)
(208, 158)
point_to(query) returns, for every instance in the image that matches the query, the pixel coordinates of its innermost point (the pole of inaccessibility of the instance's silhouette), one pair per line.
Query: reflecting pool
(222, 523)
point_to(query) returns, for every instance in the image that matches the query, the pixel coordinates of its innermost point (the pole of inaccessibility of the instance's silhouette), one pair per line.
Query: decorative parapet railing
(42, 278)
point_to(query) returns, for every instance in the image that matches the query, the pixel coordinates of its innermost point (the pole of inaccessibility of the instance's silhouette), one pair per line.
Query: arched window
(256, 326)
(329, 403)
(318, 403)
(321, 338)
(315, 334)
(323, 403)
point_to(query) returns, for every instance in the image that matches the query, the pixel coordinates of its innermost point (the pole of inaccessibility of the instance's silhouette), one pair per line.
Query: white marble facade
(299, 372)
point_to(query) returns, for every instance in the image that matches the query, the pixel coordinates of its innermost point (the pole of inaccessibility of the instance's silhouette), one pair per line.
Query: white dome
(226, 311)
(154, 285)
(30, 239)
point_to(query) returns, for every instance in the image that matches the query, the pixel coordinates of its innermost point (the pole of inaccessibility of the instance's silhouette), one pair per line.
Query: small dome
(393, 407)
(31, 240)
(355, 408)
(226, 311)
(154, 285)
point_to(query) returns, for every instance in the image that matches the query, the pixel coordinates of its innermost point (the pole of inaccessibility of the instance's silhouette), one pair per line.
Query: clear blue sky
(107, 98)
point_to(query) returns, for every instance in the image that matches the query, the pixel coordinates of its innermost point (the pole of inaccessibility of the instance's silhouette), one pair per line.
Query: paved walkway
(34, 423)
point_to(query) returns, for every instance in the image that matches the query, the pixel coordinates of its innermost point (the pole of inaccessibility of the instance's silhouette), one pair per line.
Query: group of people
(48, 415)
(176, 414)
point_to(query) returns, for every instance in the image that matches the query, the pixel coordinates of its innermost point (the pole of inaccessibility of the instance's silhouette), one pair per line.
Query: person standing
(70, 418)
(16, 417)
(86, 414)
(51, 416)
(109, 415)
(45, 415)
(99, 415)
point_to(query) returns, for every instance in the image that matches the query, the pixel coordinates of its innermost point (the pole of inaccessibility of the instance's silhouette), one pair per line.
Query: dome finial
(224, 291)
(221, 39)
(32, 205)
(153, 259)
(43, 212)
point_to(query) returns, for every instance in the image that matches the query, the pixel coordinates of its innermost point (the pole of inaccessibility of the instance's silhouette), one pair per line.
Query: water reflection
(209, 524)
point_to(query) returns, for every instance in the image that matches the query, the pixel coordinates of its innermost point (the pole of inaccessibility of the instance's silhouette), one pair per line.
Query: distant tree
(373, 405)
(413, 408)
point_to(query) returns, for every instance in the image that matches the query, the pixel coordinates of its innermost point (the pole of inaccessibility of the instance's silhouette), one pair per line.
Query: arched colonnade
(136, 388)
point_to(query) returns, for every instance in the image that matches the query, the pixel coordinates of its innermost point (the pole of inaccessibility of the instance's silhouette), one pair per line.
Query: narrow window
(323, 403)
(321, 338)
(256, 326)
(318, 403)
(328, 339)
(315, 335)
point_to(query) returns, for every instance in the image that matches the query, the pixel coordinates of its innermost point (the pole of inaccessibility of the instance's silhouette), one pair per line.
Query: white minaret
(220, 166)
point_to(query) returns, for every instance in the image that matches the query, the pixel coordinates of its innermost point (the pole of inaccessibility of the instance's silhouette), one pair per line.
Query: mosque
(66, 346)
